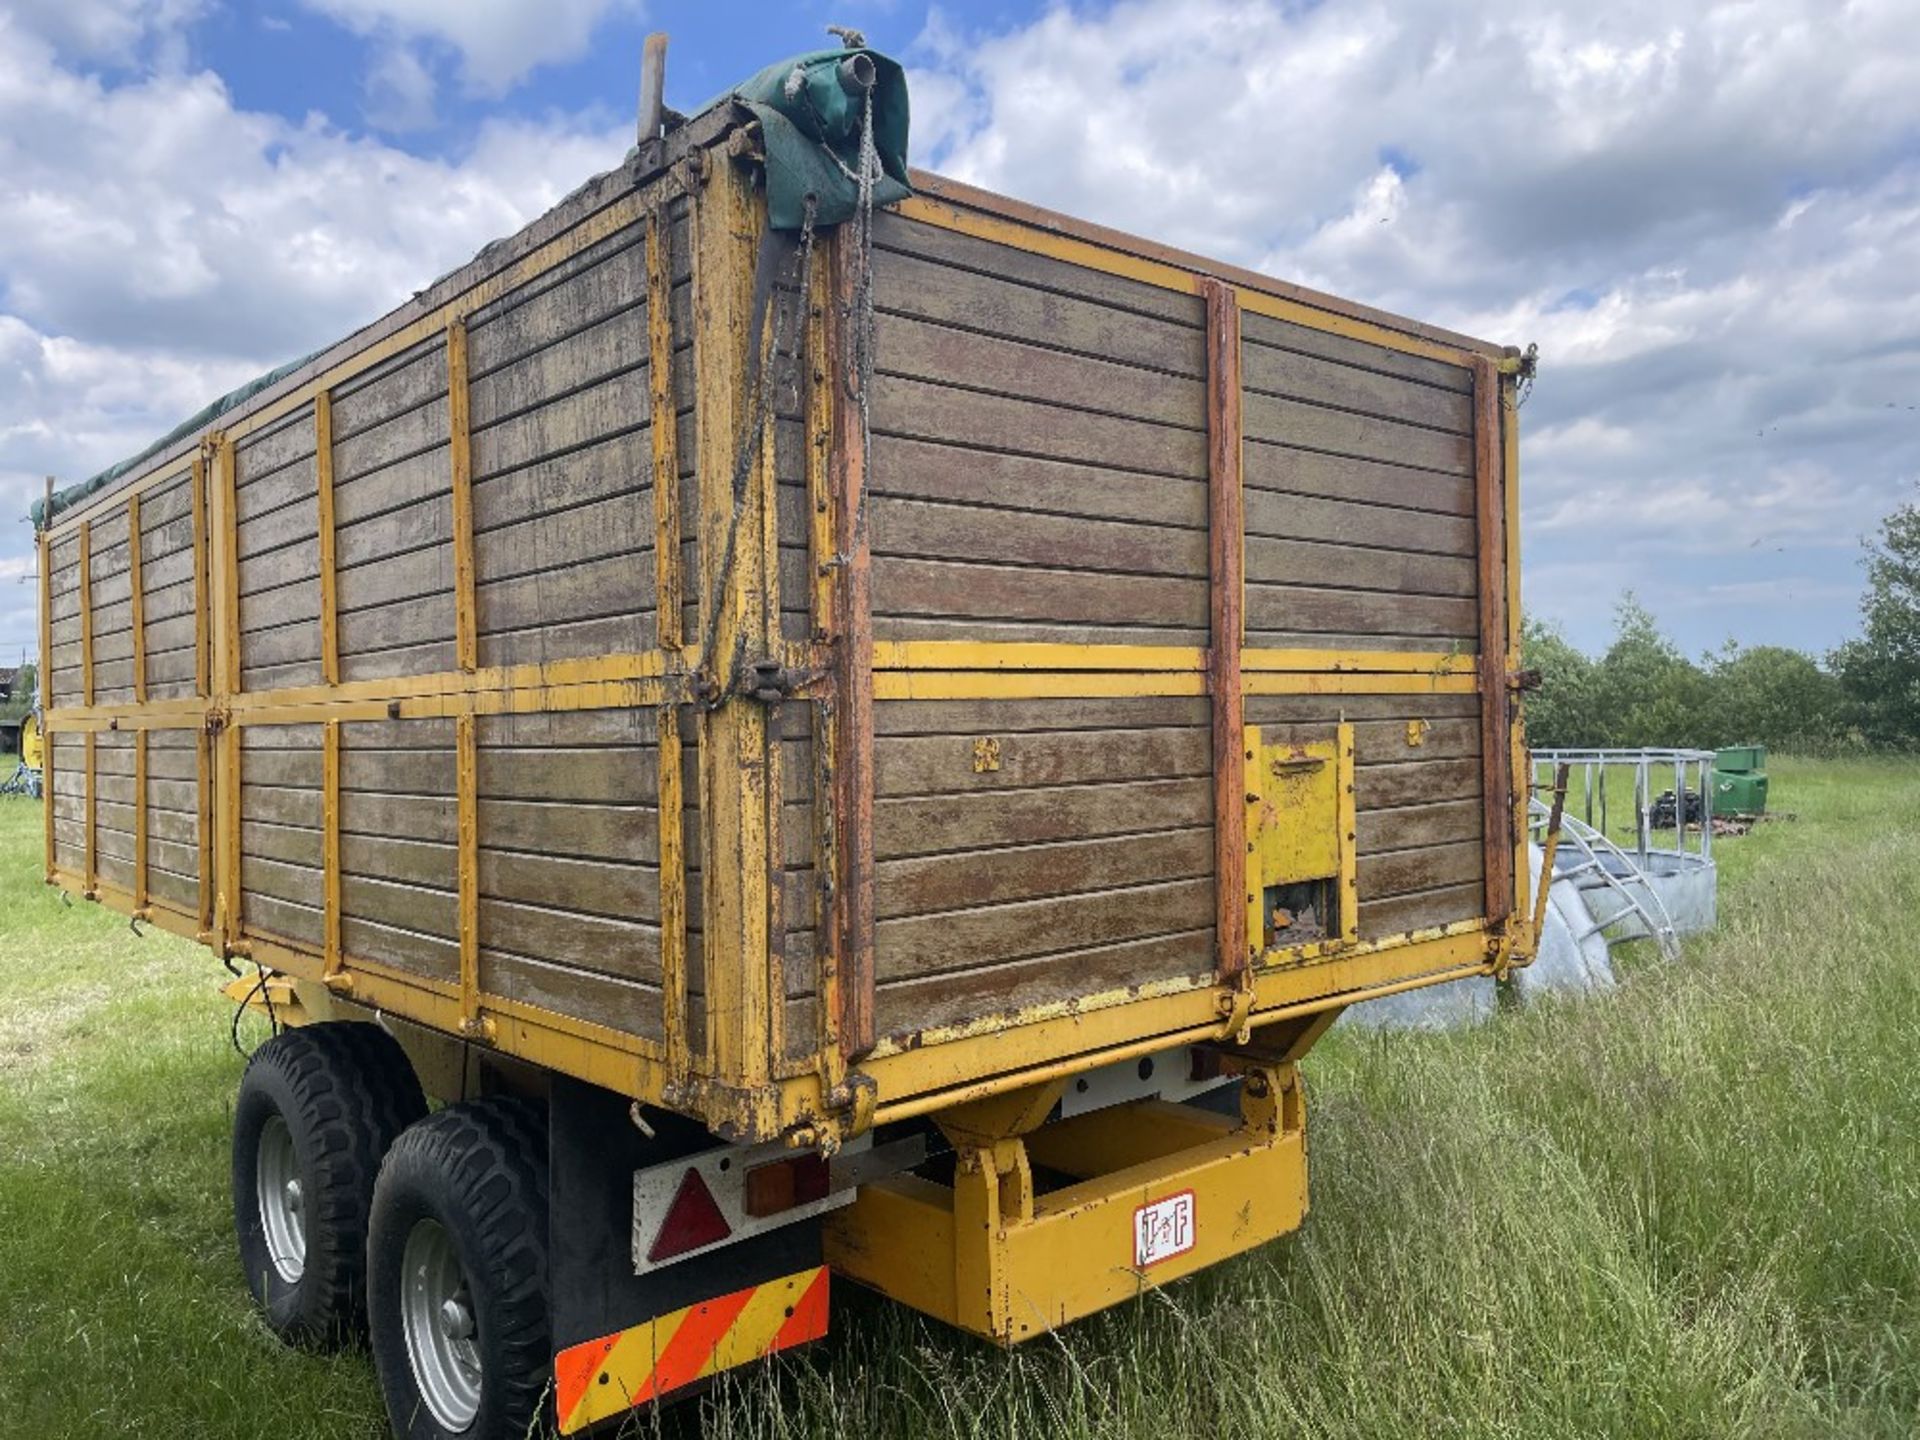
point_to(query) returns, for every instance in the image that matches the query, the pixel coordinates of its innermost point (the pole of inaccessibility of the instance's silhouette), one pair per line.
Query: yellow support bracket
(1153, 1191)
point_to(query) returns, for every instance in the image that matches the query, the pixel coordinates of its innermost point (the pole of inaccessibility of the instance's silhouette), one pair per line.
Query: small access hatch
(1300, 839)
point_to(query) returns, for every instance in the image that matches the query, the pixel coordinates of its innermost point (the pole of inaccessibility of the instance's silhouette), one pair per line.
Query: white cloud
(400, 90)
(1708, 217)
(498, 41)
(114, 31)
(162, 246)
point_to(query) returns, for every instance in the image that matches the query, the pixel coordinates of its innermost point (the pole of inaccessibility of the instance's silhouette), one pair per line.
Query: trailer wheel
(457, 1274)
(318, 1107)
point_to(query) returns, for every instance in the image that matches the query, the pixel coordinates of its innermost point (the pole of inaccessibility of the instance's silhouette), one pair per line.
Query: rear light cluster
(695, 1220)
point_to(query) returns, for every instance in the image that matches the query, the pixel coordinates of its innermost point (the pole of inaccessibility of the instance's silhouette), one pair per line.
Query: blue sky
(1707, 215)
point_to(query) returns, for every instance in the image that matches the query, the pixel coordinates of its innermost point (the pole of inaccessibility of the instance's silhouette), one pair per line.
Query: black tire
(344, 1093)
(478, 1171)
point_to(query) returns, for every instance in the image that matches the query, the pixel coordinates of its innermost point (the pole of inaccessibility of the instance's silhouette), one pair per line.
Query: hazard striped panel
(605, 1377)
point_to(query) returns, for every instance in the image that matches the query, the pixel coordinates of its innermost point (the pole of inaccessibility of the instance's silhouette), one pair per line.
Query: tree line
(1863, 695)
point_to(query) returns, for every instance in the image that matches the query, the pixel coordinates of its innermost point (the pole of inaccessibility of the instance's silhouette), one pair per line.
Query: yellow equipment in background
(32, 744)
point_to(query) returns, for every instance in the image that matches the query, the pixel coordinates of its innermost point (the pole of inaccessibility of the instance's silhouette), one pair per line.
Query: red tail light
(784, 1184)
(693, 1221)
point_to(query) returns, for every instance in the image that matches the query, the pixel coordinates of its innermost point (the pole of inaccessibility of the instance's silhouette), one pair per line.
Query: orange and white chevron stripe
(605, 1377)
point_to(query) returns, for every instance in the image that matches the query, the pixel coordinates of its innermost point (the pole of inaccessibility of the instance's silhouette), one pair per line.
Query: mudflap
(622, 1340)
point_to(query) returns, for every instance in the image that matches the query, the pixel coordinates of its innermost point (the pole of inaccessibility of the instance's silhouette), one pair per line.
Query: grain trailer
(844, 724)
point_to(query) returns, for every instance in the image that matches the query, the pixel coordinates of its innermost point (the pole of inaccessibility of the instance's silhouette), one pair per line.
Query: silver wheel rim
(436, 1315)
(281, 1196)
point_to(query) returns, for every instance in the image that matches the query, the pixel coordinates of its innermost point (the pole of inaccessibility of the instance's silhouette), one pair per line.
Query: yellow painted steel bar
(140, 888)
(202, 595)
(824, 569)
(224, 570)
(673, 895)
(204, 753)
(1043, 684)
(954, 1072)
(1520, 767)
(137, 601)
(91, 811)
(588, 695)
(329, 564)
(467, 790)
(44, 546)
(1294, 683)
(1026, 655)
(466, 642)
(86, 613)
(733, 737)
(1349, 827)
(1031, 684)
(663, 430)
(330, 847)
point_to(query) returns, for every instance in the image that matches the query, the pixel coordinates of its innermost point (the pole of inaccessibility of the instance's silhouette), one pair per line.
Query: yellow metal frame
(996, 1255)
(738, 1076)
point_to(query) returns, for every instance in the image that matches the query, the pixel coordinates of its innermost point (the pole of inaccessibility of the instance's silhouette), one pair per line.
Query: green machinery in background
(1740, 780)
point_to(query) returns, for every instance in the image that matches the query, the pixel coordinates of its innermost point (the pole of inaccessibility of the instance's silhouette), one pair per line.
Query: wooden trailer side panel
(401, 682)
(512, 855)
(1046, 478)
(1039, 475)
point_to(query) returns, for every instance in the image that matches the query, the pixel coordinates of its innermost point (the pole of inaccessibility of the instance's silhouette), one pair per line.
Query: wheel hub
(437, 1320)
(281, 1200)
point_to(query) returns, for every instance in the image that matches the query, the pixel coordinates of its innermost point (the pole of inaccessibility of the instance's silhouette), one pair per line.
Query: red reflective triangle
(693, 1220)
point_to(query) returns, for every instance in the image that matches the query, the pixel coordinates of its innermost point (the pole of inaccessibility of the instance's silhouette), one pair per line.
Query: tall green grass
(1690, 1208)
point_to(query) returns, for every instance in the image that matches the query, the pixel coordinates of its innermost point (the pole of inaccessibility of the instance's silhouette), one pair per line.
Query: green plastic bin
(1740, 780)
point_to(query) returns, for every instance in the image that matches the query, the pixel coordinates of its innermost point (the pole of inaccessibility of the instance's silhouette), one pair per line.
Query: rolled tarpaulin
(810, 112)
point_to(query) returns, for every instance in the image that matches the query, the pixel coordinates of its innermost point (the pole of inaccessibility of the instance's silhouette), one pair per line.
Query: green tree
(1880, 671)
(1775, 696)
(1645, 692)
(1560, 712)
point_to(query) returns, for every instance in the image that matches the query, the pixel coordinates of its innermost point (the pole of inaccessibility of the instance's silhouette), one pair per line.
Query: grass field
(1691, 1208)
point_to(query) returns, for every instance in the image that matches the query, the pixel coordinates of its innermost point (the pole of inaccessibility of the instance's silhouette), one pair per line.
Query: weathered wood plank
(908, 1007)
(916, 410)
(618, 1004)
(1339, 432)
(1267, 330)
(905, 827)
(1026, 267)
(1289, 563)
(1276, 614)
(1313, 517)
(922, 470)
(993, 592)
(946, 764)
(1271, 371)
(931, 884)
(991, 934)
(942, 355)
(906, 284)
(1432, 867)
(1417, 782)
(926, 530)
(1415, 825)
(1399, 914)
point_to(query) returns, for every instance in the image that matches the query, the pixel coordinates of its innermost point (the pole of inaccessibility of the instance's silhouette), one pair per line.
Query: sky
(1706, 215)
